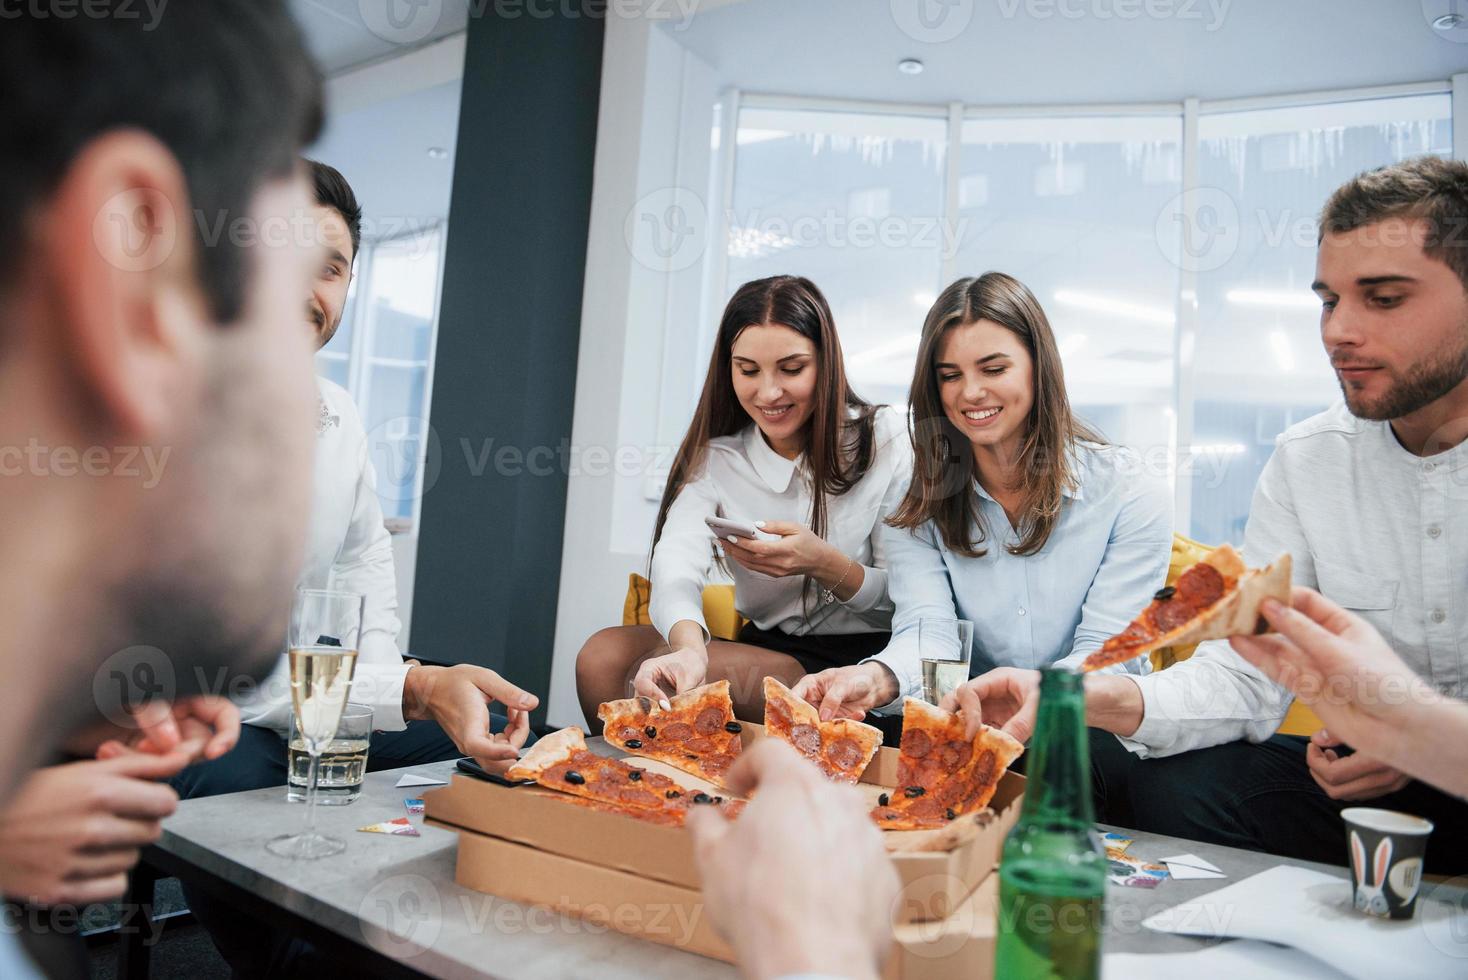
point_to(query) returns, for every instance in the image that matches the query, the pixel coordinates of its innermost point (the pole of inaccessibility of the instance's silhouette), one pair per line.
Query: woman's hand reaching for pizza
(800, 883)
(849, 692)
(684, 667)
(1005, 698)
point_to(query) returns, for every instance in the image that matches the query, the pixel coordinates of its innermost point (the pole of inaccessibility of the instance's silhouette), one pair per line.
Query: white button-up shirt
(744, 479)
(348, 548)
(1374, 528)
(1105, 557)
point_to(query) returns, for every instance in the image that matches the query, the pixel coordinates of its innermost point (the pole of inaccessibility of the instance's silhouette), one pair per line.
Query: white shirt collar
(772, 468)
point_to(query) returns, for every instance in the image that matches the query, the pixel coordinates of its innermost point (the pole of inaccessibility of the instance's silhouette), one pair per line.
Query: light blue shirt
(1106, 556)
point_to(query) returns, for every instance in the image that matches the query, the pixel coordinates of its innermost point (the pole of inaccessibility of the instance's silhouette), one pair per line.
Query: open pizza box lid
(934, 882)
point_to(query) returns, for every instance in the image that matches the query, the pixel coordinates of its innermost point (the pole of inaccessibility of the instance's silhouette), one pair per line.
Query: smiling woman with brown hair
(1019, 517)
(779, 439)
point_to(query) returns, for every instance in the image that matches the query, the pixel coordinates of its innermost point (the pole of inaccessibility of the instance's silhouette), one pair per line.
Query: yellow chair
(1299, 720)
(722, 619)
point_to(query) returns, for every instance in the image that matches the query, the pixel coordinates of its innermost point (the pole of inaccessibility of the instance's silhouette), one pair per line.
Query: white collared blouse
(742, 478)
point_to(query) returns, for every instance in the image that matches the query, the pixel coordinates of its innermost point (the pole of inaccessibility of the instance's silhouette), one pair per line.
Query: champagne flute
(322, 647)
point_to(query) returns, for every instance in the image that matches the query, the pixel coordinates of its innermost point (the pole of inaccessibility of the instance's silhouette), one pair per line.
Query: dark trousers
(251, 948)
(1257, 796)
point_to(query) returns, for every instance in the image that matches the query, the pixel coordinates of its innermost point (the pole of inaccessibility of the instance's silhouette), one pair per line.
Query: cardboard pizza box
(933, 882)
(958, 947)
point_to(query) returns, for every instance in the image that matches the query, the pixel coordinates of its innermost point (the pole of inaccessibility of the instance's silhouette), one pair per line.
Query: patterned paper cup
(1386, 850)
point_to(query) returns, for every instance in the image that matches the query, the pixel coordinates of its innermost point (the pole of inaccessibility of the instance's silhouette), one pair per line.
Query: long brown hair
(840, 440)
(943, 464)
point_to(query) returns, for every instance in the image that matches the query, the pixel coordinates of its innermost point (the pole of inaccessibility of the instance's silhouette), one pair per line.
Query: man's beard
(1424, 383)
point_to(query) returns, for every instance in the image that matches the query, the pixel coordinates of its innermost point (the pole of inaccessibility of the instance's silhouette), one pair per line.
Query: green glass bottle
(1053, 874)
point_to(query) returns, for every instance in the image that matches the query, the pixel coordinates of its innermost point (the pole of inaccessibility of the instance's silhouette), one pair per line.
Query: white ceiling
(1007, 52)
(344, 34)
(1017, 52)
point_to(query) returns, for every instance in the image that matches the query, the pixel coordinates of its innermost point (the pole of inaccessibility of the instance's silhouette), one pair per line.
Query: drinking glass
(342, 765)
(322, 646)
(945, 646)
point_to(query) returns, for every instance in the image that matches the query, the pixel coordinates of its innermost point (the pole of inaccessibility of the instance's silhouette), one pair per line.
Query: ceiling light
(910, 66)
(1118, 307)
(1292, 298)
(437, 153)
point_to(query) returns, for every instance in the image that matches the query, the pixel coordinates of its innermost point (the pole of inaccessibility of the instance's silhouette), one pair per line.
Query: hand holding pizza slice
(942, 774)
(696, 733)
(1217, 598)
(842, 748)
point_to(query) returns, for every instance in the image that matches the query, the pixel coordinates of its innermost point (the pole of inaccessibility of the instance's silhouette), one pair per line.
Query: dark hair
(333, 191)
(225, 85)
(1427, 187)
(840, 441)
(942, 481)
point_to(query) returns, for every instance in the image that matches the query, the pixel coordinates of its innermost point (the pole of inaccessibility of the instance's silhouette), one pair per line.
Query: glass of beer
(945, 646)
(342, 764)
(322, 647)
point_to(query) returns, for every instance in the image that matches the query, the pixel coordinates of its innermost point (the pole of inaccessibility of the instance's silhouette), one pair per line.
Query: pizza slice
(1216, 598)
(561, 761)
(941, 773)
(842, 748)
(696, 733)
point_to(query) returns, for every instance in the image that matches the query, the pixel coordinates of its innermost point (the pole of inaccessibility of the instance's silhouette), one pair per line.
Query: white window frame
(360, 357)
(1188, 110)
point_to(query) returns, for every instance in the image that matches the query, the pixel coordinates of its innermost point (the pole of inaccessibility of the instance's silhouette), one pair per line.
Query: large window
(854, 201)
(1068, 206)
(382, 355)
(1264, 176)
(1175, 272)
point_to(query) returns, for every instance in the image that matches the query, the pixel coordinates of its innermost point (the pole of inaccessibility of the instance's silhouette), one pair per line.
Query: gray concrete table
(394, 898)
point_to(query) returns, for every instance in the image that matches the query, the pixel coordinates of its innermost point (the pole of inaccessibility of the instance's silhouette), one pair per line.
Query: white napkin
(412, 779)
(1311, 911)
(1184, 867)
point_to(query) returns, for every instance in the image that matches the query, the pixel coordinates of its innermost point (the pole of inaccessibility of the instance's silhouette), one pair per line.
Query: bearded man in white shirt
(1371, 499)
(420, 713)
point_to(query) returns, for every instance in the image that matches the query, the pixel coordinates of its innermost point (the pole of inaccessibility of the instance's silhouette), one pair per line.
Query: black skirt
(817, 651)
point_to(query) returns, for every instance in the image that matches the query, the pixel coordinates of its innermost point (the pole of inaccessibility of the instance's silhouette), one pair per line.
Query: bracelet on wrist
(828, 596)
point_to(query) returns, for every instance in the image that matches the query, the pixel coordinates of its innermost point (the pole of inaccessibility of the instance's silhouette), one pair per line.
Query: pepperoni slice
(699, 745)
(1172, 614)
(844, 754)
(916, 743)
(709, 720)
(678, 731)
(806, 738)
(1200, 586)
